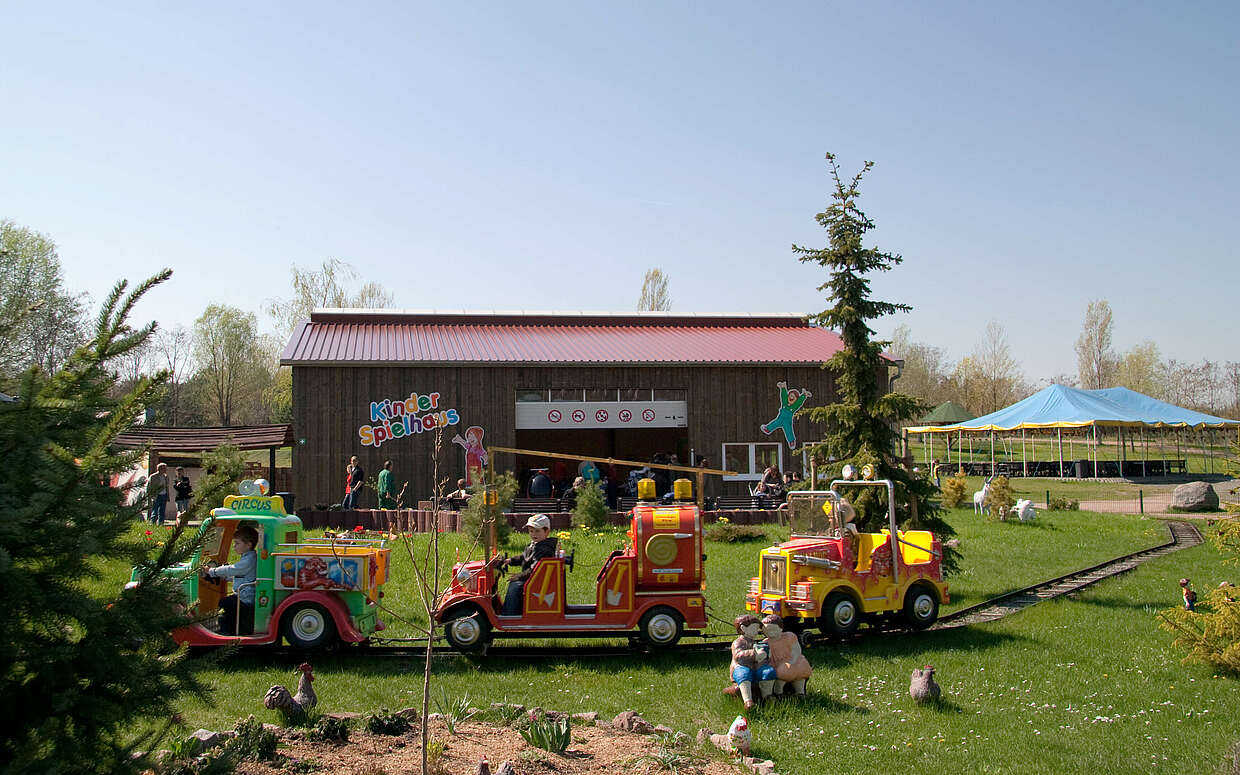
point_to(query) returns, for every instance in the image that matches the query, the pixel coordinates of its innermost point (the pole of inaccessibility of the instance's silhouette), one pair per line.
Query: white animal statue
(979, 500)
(739, 736)
(1024, 510)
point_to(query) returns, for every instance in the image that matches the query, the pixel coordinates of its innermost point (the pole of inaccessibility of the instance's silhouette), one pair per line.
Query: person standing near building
(387, 492)
(183, 491)
(357, 478)
(157, 488)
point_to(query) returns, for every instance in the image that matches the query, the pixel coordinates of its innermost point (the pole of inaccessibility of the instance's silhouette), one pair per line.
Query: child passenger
(243, 572)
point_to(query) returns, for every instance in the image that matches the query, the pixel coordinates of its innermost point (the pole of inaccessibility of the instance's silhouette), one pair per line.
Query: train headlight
(849, 472)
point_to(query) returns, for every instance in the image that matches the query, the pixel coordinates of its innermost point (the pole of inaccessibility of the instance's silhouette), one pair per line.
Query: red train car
(651, 588)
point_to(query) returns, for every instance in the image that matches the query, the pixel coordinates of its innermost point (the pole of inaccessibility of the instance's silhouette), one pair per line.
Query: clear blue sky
(1031, 156)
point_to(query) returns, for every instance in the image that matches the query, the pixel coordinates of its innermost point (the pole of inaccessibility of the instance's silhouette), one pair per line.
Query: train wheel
(661, 626)
(840, 614)
(921, 607)
(468, 630)
(308, 626)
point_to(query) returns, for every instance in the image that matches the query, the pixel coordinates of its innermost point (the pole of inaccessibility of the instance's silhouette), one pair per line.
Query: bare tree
(1094, 359)
(327, 286)
(655, 295)
(925, 373)
(999, 378)
(173, 349)
(40, 322)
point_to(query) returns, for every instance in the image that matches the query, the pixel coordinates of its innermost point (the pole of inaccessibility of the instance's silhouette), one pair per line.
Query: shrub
(384, 722)
(1000, 499)
(553, 736)
(955, 489)
(1211, 634)
(330, 730)
(726, 532)
(253, 742)
(1060, 503)
(435, 749)
(476, 510)
(591, 509)
(454, 710)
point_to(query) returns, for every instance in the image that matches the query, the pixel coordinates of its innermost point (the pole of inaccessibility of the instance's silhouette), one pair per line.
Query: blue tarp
(1059, 406)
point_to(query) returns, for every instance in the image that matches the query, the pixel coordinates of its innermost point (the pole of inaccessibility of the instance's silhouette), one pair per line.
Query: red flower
(148, 532)
(359, 529)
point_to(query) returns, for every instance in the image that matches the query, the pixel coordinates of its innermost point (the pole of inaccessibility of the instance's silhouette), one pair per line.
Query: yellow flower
(563, 535)
(724, 520)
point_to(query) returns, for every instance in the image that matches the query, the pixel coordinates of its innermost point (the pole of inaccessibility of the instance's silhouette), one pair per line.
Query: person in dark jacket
(183, 489)
(540, 546)
(540, 484)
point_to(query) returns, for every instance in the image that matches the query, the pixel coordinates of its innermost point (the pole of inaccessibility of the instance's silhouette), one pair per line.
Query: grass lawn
(1088, 682)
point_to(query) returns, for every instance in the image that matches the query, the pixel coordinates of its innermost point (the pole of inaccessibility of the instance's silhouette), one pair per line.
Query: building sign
(602, 414)
(400, 417)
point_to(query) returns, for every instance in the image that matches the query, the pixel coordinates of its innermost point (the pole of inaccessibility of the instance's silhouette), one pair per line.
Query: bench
(534, 505)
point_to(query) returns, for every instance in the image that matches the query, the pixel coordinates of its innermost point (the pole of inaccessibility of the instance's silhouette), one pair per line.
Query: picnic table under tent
(1059, 408)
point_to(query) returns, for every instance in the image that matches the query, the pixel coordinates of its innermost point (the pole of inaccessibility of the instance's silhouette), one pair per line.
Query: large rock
(631, 721)
(1194, 496)
(205, 739)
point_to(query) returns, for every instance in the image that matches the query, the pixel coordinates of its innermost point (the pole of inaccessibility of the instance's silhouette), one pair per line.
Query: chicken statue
(921, 686)
(739, 736)
(294, 705)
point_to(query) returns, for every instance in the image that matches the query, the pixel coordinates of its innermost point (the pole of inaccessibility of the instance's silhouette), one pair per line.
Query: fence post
(1048, 499)
(1141, 498)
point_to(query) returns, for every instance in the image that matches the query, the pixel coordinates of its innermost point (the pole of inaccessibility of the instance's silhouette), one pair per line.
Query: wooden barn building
(377, 384)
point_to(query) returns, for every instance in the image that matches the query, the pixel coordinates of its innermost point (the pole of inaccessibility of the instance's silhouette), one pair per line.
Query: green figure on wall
(790, 401)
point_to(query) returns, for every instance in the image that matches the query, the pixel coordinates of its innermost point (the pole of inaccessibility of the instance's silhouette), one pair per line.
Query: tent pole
(1024, 464)
(1059, 436)
(1120, 435)
(1095, 450)
(1145, 453)
(992, 453)
(1162, 436)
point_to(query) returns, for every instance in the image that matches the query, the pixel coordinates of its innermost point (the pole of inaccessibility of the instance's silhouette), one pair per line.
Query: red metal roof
(357, 338)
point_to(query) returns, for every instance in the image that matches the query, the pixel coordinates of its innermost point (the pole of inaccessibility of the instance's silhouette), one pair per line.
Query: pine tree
(861, 426)
(79, 669)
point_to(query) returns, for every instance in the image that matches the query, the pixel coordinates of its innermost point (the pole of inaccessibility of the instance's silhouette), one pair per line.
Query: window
(602, 394)
(531, 395)
(671, 394)
(750, 460)
(567, 394)
(635, 394)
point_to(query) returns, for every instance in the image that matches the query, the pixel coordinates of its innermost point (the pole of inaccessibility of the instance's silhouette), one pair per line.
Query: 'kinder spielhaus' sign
(397, 418)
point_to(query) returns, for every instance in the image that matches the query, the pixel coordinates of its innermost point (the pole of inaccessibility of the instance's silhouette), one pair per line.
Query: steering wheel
(570, 558)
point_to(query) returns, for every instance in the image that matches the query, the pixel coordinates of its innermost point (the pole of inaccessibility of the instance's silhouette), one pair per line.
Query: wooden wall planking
(725, 404)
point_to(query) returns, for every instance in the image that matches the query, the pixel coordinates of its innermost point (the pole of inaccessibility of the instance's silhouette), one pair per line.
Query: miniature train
(318, 592)
(652, 588)
(310, 592)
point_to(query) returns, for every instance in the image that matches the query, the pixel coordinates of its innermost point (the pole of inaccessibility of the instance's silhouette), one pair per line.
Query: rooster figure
(922, 687)
(294, 705)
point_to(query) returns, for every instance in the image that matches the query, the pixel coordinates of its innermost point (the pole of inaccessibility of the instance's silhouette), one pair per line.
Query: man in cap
(540, 546)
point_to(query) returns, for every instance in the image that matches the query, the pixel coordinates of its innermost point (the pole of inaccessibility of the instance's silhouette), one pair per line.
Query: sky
(1029, 157)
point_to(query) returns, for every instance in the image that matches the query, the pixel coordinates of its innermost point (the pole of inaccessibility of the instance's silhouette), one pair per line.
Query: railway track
(1182, 536)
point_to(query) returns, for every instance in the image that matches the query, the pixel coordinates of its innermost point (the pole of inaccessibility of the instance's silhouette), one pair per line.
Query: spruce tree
(861, 425)
(83, 665)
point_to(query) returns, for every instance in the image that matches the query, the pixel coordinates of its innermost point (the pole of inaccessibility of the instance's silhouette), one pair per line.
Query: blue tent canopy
(1059, 406)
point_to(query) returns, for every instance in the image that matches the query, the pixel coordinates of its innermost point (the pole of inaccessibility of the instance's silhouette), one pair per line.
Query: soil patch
(595, 750)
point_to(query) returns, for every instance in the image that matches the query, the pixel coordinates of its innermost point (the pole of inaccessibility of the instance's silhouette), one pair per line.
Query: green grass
(1069, 685)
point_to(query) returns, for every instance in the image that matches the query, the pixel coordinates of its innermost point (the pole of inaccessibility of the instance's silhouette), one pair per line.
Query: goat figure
(979, 500)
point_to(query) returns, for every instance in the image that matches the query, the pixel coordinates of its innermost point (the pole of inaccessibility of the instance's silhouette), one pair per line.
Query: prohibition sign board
(600, 415)
(579, 416)
(554, 415)
(648, 415)
(625, 415)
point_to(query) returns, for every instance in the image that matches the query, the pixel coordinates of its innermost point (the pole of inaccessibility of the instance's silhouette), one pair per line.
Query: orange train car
(651, 589)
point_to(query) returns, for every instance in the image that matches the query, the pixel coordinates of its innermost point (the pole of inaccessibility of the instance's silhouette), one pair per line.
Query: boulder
(631, 721)
(1194, 496)
(589, 717)
(722, 742)
(660, 729)
(344, 715)
(205, 739)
